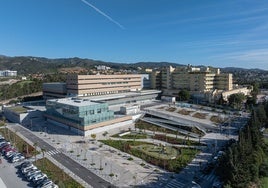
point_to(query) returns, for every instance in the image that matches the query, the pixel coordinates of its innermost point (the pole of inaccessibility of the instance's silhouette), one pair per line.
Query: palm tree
(43, 152)
(14, 139)
(35, 151)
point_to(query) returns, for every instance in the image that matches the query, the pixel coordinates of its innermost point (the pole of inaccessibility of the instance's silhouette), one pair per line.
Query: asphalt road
(85, 174)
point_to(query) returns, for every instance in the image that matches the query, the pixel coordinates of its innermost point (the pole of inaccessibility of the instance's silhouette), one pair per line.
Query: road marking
(52, 152)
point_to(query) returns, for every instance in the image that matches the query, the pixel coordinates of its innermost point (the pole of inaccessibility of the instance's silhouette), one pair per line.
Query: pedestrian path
(175, 184)
(52, 152)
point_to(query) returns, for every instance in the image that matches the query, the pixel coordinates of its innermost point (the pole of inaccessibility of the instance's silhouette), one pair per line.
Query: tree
(255, 90)
(43, 152)
(245, 160)
(236, 100)
(184, 95)
(93, 136)
(250, 102)
(261, 114)
(35, 151)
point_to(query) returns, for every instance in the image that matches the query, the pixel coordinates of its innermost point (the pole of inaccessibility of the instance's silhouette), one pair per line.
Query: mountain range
(30, 65)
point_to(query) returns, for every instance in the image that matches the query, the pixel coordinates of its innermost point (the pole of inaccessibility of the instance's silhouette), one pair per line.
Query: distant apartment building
(8, 73)
(196, 80)
(102, 67)
(92, 85)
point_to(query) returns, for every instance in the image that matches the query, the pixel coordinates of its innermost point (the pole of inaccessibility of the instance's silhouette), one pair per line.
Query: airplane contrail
(102, 13)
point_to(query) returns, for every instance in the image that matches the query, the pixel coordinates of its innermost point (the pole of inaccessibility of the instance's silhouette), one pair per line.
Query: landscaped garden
(173, 140)
(217, 119)
(170, 158)
(142, 125)
(171, 109)
(200, 115)
(184, 112)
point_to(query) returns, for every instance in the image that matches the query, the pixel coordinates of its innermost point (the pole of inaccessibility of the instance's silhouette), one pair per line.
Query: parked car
(28, 168)
(39, 177)
(17, 158)
(25, 164)
(31, 172)
(10, 153)
(39, 182)
(3, 146)
(6, 149)
(34, 175)
(45, 184)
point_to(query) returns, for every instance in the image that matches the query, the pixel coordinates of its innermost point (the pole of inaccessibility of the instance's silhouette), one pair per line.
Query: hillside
(33, 65)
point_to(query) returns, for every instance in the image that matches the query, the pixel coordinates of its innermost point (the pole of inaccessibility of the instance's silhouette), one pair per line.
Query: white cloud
(103, 14)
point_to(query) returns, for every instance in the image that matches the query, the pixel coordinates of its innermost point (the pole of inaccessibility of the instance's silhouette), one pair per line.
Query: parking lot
(9, 176)
(11, 160)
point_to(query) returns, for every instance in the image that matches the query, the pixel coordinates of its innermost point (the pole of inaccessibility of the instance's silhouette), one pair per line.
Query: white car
(39, 177)
(28, 168)
(28, 174)
(17, 159)
(30, 178)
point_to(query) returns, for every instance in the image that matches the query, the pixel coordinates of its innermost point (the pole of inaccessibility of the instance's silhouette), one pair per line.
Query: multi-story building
(92, 85)
(54, 90)
(196, 80)
(77, 114)
(155, 78)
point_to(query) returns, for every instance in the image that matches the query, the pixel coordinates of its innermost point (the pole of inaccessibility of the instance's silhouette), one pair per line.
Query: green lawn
(22, 83)
(164, 153)
(174, 140)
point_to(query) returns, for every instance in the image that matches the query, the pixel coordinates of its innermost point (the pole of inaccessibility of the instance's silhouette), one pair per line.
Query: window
(91, 112)
(98, 110)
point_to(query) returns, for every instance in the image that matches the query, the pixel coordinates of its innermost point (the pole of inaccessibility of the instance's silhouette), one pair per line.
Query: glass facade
(80, 112)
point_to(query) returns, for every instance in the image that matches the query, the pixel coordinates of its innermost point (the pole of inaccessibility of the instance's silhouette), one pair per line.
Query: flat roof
(18, 109)
(121, 95)
(75, 101)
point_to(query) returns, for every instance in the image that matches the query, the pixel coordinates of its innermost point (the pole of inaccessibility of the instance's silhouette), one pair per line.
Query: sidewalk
(2, 184)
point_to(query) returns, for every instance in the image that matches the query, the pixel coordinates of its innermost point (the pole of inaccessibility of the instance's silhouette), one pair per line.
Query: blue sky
(212, 33)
